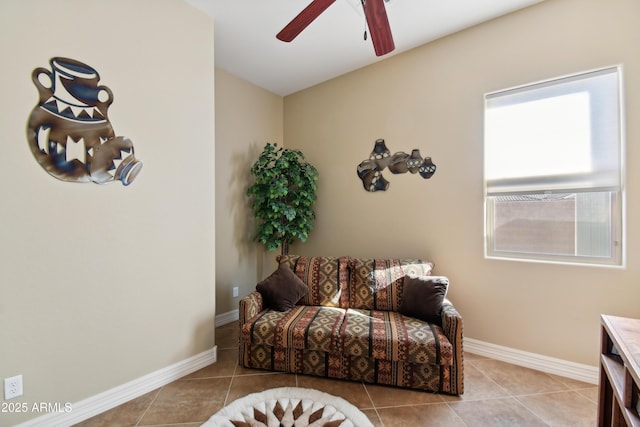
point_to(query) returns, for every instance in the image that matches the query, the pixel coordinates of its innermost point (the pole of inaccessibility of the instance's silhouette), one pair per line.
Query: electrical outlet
(12, 387)
(235, 291)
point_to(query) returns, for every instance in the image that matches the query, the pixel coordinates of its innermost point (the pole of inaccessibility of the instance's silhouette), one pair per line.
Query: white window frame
(618, 202)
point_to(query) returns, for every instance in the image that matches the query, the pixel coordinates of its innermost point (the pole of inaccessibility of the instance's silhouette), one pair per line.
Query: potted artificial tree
(283, 192)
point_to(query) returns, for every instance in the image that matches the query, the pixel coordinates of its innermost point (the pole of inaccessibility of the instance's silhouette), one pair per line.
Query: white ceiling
(246, 46)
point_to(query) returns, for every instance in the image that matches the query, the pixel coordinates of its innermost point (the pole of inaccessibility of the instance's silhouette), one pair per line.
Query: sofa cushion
(382, 335)
(376, 284)
(282, 289)
(423, 297)
(388, 335)
(303, 327)
(327, 278)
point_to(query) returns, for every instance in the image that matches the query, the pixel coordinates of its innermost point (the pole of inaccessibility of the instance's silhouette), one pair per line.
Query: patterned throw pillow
(423, 297)
(282, 289)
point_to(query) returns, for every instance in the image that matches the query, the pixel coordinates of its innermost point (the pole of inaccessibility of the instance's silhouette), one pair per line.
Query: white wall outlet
(12, 387)
(235, 291)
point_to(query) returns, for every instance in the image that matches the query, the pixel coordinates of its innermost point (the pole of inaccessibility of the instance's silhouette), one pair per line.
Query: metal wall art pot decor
(69, 131)
(370, 170)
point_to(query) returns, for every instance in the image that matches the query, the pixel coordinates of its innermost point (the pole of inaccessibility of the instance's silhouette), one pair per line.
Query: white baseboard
(564, 368)
(94, 405)
(550, 365)
(228, 317)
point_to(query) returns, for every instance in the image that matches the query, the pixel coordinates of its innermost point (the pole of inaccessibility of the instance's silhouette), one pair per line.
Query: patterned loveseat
(348, 325)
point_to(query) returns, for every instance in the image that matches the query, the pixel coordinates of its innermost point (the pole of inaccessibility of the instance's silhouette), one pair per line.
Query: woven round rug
(289, 407)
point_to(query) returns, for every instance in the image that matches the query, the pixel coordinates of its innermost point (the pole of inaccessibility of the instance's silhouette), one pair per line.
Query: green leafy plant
(283, 194)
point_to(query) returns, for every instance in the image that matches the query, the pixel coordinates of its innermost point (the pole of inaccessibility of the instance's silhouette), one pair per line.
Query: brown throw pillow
(422, 297)
(283, 289)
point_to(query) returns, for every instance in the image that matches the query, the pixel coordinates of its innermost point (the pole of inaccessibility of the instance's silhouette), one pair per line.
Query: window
(554, 170)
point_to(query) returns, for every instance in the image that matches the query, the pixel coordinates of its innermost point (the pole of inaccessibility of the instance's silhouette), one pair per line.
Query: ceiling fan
(374, 11)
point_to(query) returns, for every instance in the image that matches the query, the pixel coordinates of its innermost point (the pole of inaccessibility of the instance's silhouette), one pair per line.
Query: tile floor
(496, 394)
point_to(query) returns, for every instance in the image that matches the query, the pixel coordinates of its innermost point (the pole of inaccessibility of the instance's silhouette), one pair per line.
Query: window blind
(558, 136)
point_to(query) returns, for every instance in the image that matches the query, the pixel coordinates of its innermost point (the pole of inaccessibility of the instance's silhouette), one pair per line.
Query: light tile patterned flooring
(496, 394)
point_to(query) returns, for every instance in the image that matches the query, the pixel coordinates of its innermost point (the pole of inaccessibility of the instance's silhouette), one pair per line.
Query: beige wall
(100, 285)
(247, 117)
(431, 98)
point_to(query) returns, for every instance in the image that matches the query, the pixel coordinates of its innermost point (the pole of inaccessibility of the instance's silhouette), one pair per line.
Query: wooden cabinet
(619, 372)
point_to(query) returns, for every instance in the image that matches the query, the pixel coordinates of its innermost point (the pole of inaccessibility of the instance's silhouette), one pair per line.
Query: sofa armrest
(452, 326)
(250, 305)
(451, 322)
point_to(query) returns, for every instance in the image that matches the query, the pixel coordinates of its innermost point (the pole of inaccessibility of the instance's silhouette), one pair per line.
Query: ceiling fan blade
(304, 18)
(379, 28)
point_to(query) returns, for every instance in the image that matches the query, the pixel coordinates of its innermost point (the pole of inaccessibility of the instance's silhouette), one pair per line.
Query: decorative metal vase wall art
(69, 131)
(370, 170)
